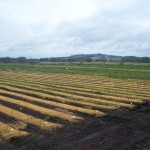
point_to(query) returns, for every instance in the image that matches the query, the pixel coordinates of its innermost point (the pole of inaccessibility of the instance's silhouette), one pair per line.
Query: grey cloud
(121, 29)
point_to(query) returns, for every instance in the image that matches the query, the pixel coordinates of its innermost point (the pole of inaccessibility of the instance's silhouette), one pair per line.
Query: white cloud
(45, 28)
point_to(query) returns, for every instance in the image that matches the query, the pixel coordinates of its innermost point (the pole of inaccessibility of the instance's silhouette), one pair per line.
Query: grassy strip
(8, 132)
(69, 90)
(51, 103)
(39, 109)
(110, 70)
(69, 96)
(80, 79)
(27, 118)
(54, 98)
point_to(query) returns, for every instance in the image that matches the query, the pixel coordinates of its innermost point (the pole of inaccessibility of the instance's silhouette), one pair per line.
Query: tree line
(69, 60)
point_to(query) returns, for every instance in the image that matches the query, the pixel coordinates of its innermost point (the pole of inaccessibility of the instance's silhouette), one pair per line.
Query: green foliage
(88, 59)
(121, 63)
(114, 70)
(78, 58)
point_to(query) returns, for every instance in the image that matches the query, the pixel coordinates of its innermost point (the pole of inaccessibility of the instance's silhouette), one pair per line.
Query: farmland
(74, 106)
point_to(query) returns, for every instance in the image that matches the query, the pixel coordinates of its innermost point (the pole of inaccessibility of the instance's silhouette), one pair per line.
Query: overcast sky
(47, 28)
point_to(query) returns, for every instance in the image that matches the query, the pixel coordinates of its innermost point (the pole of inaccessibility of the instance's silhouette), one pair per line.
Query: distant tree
(136, 59)
(101, 60)
(21, 60)
(6, 60)
(145, 60)
(89, 59)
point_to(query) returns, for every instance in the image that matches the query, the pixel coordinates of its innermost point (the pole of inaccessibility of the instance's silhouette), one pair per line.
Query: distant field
(37, 101)
(113, 70)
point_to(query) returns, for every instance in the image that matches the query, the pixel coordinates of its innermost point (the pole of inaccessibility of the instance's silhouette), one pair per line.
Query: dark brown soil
(121, 129)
